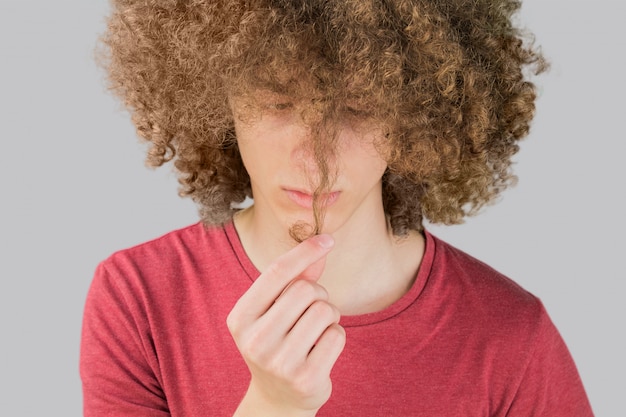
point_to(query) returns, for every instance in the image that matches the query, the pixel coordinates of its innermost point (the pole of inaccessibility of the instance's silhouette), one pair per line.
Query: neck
(368, 269)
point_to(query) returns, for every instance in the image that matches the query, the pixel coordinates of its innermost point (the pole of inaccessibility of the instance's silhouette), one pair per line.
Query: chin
(305, 227)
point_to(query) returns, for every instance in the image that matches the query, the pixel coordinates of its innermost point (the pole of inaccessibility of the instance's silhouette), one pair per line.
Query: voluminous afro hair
(447, 80)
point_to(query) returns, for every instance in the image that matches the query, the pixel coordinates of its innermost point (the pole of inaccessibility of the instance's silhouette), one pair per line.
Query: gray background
(74, 189)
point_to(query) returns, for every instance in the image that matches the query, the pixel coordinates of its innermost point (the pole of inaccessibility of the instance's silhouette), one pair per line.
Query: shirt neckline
(387, 313)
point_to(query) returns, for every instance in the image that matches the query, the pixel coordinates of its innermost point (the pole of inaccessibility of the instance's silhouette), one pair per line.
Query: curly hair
(448, 81)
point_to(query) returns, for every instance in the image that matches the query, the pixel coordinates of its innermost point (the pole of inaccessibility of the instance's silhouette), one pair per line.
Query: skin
(286, 325)
(288, 334)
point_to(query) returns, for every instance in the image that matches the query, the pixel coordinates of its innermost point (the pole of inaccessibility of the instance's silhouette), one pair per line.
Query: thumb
(314, 271)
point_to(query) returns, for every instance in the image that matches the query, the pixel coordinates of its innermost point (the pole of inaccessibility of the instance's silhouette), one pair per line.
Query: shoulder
(503, 327)
(169, 260)
(158, 274)
(457, 268)
(185, 244)
(481, 295)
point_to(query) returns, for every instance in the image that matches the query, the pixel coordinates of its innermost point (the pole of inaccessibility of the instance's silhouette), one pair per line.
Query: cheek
(248, 142)
(247, 151)
(375, 169)
(261, 156)
(366, 162)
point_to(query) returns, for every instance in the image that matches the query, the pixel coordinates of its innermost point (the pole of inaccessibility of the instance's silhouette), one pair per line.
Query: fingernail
(325, 241)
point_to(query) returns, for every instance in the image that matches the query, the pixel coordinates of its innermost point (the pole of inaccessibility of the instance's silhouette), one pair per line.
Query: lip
(305, 199)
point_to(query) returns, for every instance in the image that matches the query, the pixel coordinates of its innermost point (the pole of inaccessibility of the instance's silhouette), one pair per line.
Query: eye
(358, 112)
(279, 106)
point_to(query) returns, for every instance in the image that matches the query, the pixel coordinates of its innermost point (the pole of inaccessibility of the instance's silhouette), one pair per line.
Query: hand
(288, 334)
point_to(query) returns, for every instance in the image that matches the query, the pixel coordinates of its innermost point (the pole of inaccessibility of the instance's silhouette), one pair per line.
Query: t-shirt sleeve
(118, 364)
(551, 385)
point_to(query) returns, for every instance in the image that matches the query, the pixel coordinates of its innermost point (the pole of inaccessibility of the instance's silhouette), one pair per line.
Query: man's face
(276, 151)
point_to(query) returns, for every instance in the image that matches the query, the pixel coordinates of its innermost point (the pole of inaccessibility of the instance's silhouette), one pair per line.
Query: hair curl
(446, 79)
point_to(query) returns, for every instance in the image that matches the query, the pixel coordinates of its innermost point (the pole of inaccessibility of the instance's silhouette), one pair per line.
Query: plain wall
(74, 189)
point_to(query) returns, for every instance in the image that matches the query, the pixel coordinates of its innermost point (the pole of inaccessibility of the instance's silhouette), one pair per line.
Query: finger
(314, 271)
(327, 349)
(310, 327)
(268, 287)
(289, 308)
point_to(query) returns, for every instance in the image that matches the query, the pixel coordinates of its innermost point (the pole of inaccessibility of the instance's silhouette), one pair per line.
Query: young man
(347, 122)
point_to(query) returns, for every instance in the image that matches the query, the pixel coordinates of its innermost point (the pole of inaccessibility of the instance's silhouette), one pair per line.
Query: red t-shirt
(464, 341)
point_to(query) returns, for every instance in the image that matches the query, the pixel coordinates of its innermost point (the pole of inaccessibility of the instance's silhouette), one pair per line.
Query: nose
(303, 152)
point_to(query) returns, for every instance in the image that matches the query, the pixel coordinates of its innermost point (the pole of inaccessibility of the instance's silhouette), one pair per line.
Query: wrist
(255, 405)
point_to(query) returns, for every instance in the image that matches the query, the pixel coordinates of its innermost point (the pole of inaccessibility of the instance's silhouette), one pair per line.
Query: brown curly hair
(448, 81)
